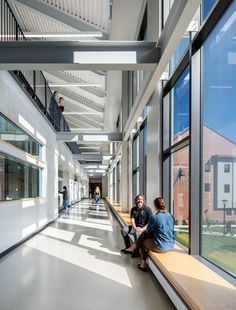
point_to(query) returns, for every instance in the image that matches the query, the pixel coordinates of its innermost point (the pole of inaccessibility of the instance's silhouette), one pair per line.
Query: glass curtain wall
(176, 153)
(118, 174)
(207, 6)
(114, 185)
(135, 153)
(140, 161)
(218, 83)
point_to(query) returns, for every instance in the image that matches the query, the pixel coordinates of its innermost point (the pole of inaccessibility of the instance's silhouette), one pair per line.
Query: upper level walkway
(75, 263)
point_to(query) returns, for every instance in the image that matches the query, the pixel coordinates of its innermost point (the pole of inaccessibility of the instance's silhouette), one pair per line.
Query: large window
(136, 166)
(176, 154)
(16, 136)
(140, 161)
(17, 179)
(180, 194)
(207, 6)
(180, 107)
(219, 143)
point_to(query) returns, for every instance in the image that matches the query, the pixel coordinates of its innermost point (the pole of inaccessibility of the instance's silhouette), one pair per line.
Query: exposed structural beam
(84, 102)
(59, 16)
(69, 79)
(78, 122)
(89, 137)
(86, 120)
(99, 55)
(180, 16)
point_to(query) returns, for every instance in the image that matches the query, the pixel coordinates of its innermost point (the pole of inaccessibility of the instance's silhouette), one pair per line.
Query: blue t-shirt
(161, 229)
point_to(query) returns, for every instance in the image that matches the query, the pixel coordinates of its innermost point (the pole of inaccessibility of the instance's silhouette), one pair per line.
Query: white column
(124, 177)
(154, 161)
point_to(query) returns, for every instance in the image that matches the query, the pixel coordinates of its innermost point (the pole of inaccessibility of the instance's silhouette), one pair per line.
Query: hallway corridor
(75, 263)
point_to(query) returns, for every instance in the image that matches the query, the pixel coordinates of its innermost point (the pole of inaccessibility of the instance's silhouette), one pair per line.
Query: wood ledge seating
(198, 286)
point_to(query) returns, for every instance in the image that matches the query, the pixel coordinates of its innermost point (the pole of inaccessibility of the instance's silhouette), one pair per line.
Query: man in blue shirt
(65, 199)
(159, 235)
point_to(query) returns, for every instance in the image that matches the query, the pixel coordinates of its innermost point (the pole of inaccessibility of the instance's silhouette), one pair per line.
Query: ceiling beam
(84, 101)
(78, 122)
(60, 16)
(97, 91)
(86, 121)
(99, 55)
(95, 137)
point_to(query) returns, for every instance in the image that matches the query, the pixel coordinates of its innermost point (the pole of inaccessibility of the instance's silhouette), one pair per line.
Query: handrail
(33, 81)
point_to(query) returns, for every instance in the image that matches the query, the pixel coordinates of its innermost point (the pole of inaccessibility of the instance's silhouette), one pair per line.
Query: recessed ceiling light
(95, 137)
(62, 34)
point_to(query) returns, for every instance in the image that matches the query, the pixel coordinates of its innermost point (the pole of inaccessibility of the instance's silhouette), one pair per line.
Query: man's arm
(133, 224)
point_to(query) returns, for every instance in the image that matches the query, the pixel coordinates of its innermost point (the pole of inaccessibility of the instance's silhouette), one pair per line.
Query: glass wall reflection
(14, 135)
(17, 179)
(180, 194)
(219, 143)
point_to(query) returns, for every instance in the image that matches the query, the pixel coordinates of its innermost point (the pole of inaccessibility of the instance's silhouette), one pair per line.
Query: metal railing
(33, 81)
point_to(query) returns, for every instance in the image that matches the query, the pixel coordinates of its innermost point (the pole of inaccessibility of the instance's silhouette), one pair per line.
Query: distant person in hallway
(53, 104)
(159, 236)
(65, 199)
(97, 194)
(140, 215)
(90, 193)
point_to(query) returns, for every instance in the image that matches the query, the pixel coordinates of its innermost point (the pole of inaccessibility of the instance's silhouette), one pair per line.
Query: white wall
(20, 218)
(105, 186)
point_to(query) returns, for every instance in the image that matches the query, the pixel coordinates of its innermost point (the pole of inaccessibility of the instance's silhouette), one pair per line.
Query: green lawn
(219, 229)
(182, 237)
(220, 250)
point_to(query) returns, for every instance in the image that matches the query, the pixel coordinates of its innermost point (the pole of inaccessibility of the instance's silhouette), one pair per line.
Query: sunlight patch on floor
(96, 244)
(58, 233)
(100, 221)
(85, 224)
(80, 257)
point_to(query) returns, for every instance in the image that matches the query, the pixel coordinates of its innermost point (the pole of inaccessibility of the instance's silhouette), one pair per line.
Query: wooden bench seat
(199, 286)
(188, 281)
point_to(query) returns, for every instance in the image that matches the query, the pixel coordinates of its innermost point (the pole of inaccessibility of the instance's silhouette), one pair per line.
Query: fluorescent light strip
(107, 157)
(95, 137)
(82, 113)
(89, 147)
(121, 57)
(91, 153)
(87, 129)
(62, 34)
(75, 85)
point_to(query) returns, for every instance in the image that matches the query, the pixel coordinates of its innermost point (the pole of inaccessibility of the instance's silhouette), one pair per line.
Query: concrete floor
(75, 264)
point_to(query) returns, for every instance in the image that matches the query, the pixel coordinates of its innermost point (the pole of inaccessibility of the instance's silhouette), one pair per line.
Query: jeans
(97, 199)
(126, 231)
(65, 205)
